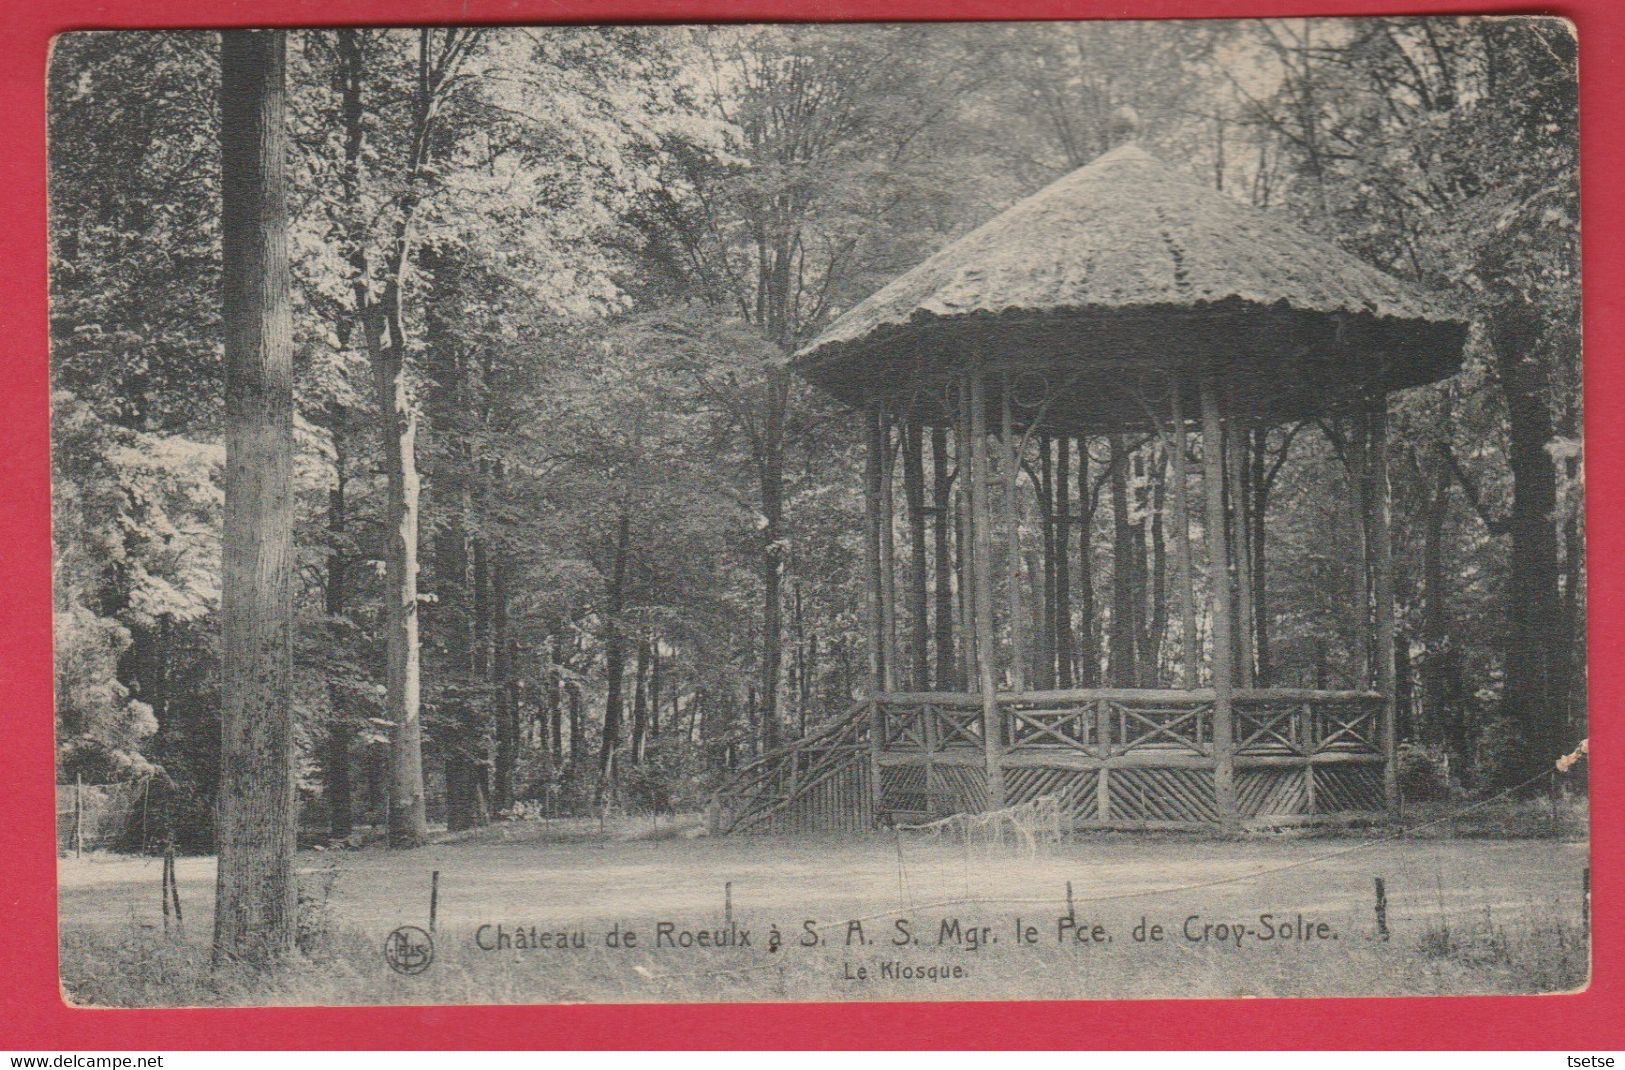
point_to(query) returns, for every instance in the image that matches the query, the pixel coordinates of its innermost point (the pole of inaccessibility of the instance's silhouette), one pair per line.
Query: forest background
(550, 278)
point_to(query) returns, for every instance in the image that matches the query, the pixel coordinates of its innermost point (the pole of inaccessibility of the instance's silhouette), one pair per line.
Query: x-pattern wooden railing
(1155, 726)
(1271, 727)
(1347, 725)
(1075, 727)
(954, 727)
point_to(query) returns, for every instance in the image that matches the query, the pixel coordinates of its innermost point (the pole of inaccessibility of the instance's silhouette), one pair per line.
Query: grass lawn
(1464, 915)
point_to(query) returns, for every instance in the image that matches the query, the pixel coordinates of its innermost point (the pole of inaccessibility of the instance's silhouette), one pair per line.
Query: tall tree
(255, 893)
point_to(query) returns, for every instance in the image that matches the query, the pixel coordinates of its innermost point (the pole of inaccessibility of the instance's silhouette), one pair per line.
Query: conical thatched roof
(1121, 271)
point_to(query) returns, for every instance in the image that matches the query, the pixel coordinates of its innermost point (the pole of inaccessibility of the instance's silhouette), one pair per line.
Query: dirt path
(604, 882)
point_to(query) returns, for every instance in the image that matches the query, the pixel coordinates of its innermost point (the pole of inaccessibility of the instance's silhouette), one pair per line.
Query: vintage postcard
(818, 512)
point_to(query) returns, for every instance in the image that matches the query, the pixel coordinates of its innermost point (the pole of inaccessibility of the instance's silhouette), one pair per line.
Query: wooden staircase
(821, 783)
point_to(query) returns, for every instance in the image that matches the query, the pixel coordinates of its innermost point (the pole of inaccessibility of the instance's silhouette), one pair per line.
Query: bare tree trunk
(503, 682)
(340, 822)
(397, 425)
(614, 652)
(640, 698)
(555, 698)
(255, 891)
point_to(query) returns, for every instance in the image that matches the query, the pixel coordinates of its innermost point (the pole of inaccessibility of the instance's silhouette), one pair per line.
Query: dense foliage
(639, 531)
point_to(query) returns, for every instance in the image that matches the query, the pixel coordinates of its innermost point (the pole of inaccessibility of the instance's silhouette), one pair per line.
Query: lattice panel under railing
(1272, 792)
(838, 802)
(903, 788)
(957, 789)
(1074, 789)
(1348, 789)
(1184, 795)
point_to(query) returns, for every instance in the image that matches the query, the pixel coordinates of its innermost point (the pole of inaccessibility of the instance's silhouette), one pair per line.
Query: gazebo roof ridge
(1127, 240)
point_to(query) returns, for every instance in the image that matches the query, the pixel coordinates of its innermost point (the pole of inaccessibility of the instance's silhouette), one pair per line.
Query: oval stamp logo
(409, 950)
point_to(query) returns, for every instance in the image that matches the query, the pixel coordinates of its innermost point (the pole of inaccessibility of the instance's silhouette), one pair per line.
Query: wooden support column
(1064, 659)
(964, 545)
(888, 558)
(1224, 777)
(871, 588)
(946, 674)
(1045, 674)
(1182, 540)
(914, 496)
(1235, 448)
(871, 601)
(982, 589)
(1011, 455)
(1382, 548)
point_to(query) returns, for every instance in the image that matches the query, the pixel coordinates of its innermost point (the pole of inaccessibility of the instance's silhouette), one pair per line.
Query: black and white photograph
(818, 512)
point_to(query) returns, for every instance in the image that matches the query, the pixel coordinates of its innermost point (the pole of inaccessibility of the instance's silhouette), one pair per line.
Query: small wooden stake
(1382, 910)
(434, 897)
(163, 889)
(1071, 911)
(174, 886)
(728, 902)
(78, 816)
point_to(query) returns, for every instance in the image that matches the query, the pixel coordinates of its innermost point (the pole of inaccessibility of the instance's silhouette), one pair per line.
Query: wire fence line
(100, 816)
(1409, 906)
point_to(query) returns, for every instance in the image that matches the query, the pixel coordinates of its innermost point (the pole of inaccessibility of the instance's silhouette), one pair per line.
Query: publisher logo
(409, 950)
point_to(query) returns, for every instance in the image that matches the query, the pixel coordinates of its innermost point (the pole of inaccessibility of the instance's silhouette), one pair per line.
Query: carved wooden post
(871, 603)
(1182, 540)
(1011, 455)
(1235, 462)
(1224, 780)
(888, 559)
(1381, 545)
(871, 502)
(982, 589)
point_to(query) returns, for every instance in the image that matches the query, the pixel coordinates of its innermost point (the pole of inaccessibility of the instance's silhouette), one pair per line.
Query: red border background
(32, 1014)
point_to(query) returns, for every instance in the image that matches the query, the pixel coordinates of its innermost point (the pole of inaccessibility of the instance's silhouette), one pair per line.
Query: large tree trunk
(408, 820)
(255, 891)
(1536, 687)
(397, 426)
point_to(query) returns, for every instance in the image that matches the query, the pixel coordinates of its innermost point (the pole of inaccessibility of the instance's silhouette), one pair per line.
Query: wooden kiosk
(1125, 299)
